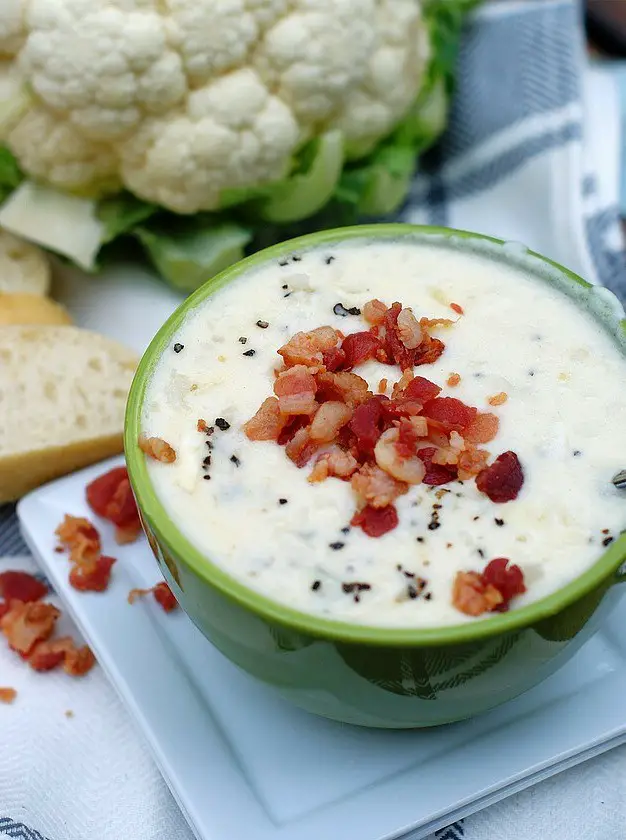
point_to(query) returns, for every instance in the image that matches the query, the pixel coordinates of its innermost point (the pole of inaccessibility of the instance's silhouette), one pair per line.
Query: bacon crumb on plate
(26, 624)
(92, 575)
(7, 695)
(157, 449)
(498, 399)
(453, 380)
(161, 593)
(79, 535)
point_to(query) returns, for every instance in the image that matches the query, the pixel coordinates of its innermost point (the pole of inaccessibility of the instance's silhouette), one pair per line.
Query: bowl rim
(154, 513)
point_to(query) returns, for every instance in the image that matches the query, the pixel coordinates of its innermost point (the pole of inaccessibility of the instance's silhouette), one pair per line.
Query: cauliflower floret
(388, 88)
(316, 55)
(216, 37)
(233, 133)
(50, 148)
(102, 67)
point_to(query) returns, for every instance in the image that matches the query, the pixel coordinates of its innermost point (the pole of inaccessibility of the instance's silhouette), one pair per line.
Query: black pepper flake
(206, 477)
(437, 507)
(428, 596)
(207, 461)
(296, 258)
(178, 347)
(316, 585)
(531, 372)
(263, 325)
(432, 526)
(577, 453)
(287, 294)
(235, 460)
(399, 566)
(420, 539)
(607, 541)
(476, 518)
(499, 522)
(283, 262)
(249, 352)
(411, 591)
(282, 501)
(285, 286)
(222, 424)
(355, 589)
(345, 530)
(340, 309)
(336, 545)
(481, 552)
(242, 339)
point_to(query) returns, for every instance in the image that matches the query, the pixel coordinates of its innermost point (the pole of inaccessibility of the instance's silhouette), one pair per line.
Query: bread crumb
(7, 695)
(157, 448)
(498, 399)
(69, 713)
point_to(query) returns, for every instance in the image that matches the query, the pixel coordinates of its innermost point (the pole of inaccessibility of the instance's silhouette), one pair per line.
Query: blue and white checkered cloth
(532, 155)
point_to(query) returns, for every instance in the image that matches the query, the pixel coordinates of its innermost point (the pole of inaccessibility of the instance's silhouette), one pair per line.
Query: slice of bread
(23, 267)
(63, 394)
(23, 309)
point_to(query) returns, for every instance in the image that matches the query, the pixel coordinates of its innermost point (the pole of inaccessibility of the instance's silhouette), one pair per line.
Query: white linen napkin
(532, 155)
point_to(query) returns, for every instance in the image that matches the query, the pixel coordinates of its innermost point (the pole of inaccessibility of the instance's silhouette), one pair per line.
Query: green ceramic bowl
(372, 676)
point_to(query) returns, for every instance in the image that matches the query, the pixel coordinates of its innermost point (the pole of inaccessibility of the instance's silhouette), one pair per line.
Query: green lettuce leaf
(10, 174)
(190, 255)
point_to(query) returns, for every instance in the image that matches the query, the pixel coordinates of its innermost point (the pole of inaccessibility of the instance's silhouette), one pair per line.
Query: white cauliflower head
(179, 100)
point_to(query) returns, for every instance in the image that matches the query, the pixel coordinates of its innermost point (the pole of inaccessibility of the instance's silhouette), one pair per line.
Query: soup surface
(369, 504)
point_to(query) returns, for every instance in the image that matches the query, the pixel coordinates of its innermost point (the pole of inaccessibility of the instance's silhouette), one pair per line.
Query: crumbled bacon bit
(336, 463)
(376, 521)
(435, 474)
(366, 424)
(482, 429)
(110, 496)
(450, 412)
(421, 389)
(382, 386)
(161, 593)
(472, 596)
(343, 386)
(377, 488)
(329, 418)
(164, 597)
(301, 448)
(334, 359)
(157, 449)
(429, 351)
(358, 348)
(453, 380)
(7, 695)
(295, 389)
(26, 624)
(76, 661)
(80, 536)
(507, 579)
(202, 425)
(456, 308)
(409, 330)
(471, 462)
(307, 348)
(20, 586)
(498, 399)
(374, 312)
(503, 480)
(267, 423)
(92, 575)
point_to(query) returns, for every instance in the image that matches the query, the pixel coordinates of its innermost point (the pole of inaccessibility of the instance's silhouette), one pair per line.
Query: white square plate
(243, 763)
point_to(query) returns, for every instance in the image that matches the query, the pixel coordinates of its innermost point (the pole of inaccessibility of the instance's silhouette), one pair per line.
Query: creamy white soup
(312, 479)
